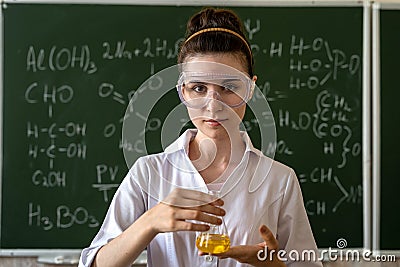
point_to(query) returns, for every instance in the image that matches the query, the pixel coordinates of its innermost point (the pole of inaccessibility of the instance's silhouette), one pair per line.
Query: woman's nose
(214, 101)
(214, 104)
(213, 94)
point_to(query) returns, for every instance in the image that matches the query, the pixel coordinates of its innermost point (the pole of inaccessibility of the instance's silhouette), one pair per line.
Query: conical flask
(216, 239)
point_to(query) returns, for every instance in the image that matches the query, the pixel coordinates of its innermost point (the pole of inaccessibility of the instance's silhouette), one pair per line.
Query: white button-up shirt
(259, 191)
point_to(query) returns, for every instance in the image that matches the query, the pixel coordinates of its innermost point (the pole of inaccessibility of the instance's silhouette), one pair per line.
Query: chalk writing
(61, 218)
(148, 48)
(36, 94)
(119, 51)
(51, 179)
(60, 59)
(312, 65)
(336, 61)
(70, 129)
(106, 179)
(315, 207)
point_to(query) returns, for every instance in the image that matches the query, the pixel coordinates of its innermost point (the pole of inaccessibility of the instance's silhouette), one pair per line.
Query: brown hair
(216, 41)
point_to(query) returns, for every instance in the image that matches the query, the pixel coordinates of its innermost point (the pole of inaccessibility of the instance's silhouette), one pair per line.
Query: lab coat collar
(182, 143)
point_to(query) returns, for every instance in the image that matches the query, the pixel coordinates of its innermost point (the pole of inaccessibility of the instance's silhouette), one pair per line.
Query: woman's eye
(199, 88)
(230, 87)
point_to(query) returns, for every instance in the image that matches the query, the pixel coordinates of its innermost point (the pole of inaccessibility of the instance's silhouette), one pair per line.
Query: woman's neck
(215, 155)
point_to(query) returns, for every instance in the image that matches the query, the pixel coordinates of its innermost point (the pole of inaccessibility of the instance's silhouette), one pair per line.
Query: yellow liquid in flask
(213, 243)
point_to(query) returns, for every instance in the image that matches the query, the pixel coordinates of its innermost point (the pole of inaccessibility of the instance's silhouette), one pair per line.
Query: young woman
(162, 204)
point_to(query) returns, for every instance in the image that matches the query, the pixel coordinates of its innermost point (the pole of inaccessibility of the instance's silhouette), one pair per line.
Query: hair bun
(231, 40)
(214, 18)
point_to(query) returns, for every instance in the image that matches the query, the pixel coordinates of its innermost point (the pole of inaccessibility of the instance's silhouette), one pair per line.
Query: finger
(191, 198)
(210, 209)
(205, 209)
(197, 215)
(261, 245)
(234, 252)
(201, 198)
(189, 226)
(243, 253)
(181, 202)
(221, 256)
(268, 236)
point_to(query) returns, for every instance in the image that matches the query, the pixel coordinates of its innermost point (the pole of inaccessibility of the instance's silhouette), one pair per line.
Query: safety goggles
(197, 89)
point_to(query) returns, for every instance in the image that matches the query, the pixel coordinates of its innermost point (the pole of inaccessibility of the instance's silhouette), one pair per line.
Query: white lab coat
(259, 191)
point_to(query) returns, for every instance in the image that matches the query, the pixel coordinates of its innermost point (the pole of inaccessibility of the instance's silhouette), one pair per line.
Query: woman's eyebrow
(197, 81)
(210, 78)
(219, 80)
(232, 80)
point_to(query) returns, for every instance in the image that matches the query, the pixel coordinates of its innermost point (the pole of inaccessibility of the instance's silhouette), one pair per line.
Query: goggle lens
(197, 89)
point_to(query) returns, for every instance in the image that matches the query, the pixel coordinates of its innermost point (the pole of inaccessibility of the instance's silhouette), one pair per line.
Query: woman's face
(215, 118)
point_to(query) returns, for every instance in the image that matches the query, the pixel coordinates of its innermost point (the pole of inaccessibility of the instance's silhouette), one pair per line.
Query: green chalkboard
(69, 71)
(390, 144)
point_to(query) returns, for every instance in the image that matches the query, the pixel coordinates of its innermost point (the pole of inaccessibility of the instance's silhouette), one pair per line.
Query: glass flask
(216, 239)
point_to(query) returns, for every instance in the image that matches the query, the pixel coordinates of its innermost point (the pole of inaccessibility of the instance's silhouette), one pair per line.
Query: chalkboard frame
(52, 255)
(376, 126)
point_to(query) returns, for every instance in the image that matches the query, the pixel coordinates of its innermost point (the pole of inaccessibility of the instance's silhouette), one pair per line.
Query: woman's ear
(253, 85)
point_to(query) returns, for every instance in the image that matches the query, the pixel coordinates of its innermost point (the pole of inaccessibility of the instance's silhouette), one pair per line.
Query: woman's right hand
(185, 210)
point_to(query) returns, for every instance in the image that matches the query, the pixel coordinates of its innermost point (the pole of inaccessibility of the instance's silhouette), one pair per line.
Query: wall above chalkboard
(70, 71)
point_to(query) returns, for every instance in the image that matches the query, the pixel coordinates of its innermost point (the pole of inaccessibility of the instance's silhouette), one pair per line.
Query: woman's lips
(213, 122)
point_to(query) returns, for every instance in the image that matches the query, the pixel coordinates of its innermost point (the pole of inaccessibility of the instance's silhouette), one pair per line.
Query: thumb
(268, 237)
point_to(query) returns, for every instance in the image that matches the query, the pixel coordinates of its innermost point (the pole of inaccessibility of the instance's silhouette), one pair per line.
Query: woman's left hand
(251, 254)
